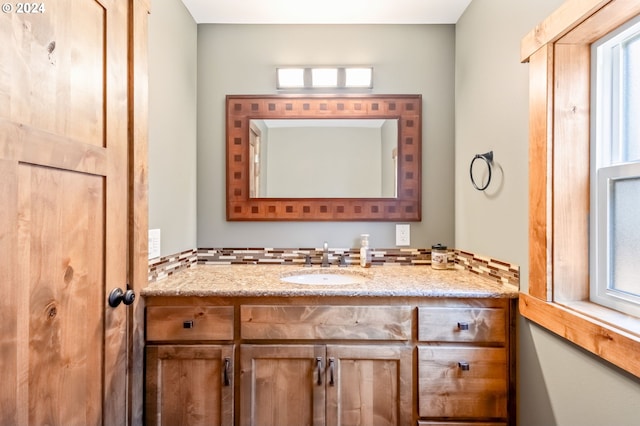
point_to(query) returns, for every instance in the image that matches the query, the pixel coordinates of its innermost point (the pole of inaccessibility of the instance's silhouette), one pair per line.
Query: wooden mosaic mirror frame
(240, 109)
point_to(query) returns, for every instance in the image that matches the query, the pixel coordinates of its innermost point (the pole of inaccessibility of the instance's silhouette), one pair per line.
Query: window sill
(612, 336)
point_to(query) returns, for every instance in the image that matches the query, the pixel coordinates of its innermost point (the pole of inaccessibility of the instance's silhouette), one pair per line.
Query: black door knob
(118, 296)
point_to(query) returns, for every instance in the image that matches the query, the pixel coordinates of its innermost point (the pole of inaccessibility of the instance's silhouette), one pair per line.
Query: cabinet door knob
(463, 365)
(319, 367)
(463, 326)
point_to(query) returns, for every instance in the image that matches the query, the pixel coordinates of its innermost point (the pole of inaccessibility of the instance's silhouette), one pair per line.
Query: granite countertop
(264, 280)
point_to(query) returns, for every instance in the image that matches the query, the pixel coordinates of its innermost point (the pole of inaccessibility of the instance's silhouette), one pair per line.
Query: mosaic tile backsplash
(162, 267)
(488, 267)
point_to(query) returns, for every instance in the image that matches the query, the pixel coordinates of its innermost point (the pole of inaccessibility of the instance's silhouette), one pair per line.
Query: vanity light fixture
(358, 77)
(324, 78)
(290, 78)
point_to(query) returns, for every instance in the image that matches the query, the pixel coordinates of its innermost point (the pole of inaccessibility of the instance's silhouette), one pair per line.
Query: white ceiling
(326, 11)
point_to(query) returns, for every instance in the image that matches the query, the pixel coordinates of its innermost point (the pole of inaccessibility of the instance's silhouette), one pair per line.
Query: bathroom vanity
(235, 345)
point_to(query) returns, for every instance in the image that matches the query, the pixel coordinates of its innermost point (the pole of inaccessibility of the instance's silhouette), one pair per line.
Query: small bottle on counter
(365, 251)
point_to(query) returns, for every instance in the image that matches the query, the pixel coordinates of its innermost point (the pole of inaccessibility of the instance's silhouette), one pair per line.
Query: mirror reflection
(323, 158)
(246, 199)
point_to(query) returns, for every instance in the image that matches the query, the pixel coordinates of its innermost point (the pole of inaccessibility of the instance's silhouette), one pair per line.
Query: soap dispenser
(365, 251)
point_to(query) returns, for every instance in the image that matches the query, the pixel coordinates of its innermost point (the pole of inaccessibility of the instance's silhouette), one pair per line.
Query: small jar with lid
(439, 257)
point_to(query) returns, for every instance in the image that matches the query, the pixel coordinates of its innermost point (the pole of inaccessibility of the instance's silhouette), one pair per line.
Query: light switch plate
(154, 243)
(403, 234)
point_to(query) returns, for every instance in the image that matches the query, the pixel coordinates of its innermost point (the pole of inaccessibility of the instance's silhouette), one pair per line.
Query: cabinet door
(189, 385)
(282, 385)
(369, 385)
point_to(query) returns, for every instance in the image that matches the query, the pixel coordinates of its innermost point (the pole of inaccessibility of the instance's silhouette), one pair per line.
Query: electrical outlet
(154, 243)
(403, 234)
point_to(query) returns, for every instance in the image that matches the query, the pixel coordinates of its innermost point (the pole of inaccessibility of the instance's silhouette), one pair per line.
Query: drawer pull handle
(463, 365)
(319, 367)
(332, 382)
(463, 326)
(187, 324)
(227, 364)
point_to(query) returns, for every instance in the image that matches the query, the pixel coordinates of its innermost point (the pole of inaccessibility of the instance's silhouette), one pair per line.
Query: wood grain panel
(62, 67)
(407, 206)
(63, 245)
(115, 140)
(11, 304)
(371, 385)
(280, 385)
(138, 197)
(167, 323)
(32, 145)
(564, 19)
(325, 322)
(186, 386)
(446, 390)
(612, 15)
(540, 158)
(570, 173)
(481, 325)
(610, 342)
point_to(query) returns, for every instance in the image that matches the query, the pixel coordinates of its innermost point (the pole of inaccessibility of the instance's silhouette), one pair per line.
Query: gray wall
(241, 59)
(559, 384)
(172, 125)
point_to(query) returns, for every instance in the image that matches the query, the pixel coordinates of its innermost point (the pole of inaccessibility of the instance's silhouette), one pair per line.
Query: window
(615, 171)
(561, 105)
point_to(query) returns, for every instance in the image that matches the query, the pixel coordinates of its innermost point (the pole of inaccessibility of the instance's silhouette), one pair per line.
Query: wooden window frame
(559, 54)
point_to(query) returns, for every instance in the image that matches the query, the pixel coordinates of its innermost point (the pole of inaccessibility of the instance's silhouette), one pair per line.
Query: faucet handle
(325, 246)
(343, 261)
(307, 260)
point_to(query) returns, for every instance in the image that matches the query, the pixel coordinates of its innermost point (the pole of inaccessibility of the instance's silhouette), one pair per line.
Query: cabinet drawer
(462, 382)
(325, 322)
(428, 423)
(466, 324)
(189, 323)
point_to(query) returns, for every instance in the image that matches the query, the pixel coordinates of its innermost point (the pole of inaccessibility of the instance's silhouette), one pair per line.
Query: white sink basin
(324, 278)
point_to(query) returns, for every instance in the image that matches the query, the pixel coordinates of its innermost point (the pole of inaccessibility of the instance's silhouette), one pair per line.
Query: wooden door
(282, 385)
(63, 214)
(189, 385)
(369, 385)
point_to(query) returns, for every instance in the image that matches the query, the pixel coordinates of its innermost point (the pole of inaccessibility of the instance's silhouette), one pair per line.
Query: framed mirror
(323, 158)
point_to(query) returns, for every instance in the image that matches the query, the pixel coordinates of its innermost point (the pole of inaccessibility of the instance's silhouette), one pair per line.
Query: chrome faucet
(325, 255)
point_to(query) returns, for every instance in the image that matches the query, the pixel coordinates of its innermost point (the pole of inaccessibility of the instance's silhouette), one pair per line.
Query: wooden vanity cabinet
(329, 361)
